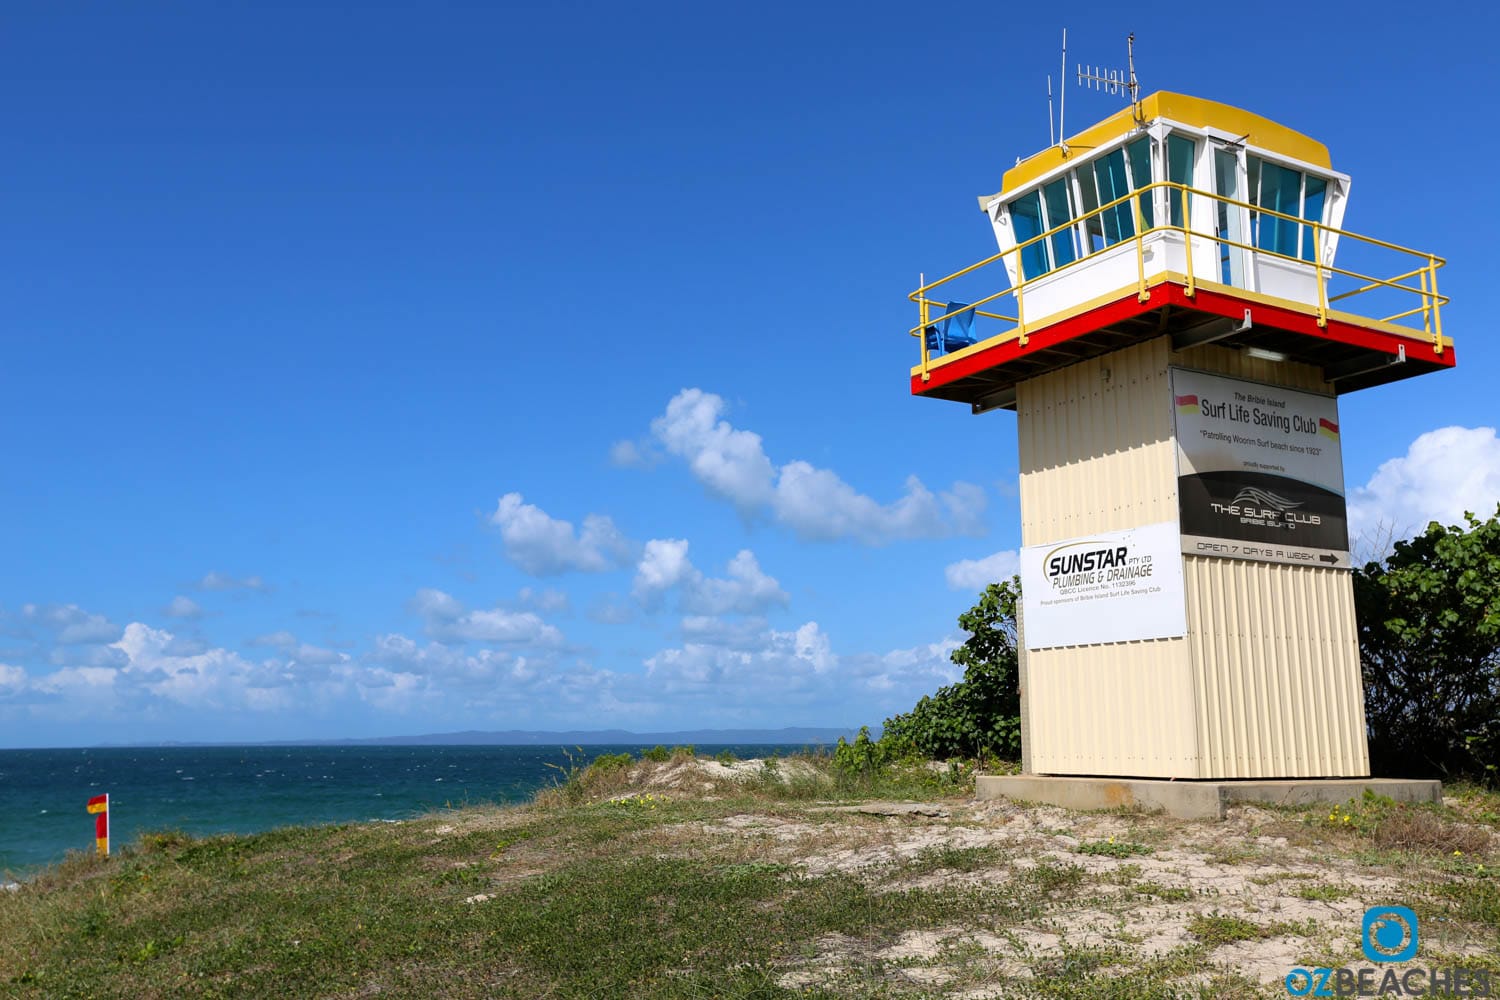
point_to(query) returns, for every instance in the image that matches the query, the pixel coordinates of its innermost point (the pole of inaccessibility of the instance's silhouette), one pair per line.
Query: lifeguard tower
(1173, 312)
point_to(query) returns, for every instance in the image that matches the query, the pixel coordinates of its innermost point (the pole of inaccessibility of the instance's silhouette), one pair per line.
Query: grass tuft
(1215, 929)
(1112, 848)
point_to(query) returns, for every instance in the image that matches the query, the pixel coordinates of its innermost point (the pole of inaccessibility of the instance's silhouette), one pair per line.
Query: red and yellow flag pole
(99, 805)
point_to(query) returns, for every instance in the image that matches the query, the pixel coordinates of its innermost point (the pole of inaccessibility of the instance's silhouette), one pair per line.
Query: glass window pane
(1280, 191)
(1226, 185)
(1026, 221)
(1312, 210)
(1109, 174)
(1180, 153)
(1057, 198)
(1093, 227)
(1139, 154)
(1252, 167)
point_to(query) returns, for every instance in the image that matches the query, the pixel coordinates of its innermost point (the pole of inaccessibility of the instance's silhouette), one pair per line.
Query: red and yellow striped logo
(1187, 404)
(1328, 429)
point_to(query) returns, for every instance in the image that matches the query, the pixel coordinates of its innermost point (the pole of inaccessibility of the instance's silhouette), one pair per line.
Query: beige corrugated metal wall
(1266, 684)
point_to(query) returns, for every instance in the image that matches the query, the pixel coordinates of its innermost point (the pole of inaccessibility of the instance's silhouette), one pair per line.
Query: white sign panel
(1260, 474)
(1117, 586)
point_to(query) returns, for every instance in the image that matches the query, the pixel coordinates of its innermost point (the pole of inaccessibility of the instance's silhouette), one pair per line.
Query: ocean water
(205, 790)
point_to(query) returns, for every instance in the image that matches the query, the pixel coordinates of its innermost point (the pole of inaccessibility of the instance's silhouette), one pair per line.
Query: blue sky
(391, 369)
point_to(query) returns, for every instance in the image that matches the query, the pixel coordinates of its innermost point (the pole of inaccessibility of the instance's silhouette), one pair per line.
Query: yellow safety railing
(1429, 301)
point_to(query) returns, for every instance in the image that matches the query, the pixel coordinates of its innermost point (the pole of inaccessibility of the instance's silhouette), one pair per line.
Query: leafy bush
(1429, 639)
(861, 760)
(980, 716)
(657, 754)
(610, 761)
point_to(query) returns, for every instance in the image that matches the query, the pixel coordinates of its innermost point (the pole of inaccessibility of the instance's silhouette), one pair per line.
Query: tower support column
(1261, 679)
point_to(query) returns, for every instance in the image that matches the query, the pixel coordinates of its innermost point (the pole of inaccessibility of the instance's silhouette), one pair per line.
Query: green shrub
(980, 716)
(610, 761)
(862, 760)
(657, 754)
(1429, 643)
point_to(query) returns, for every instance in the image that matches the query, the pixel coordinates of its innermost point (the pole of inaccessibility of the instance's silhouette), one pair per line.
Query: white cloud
(12, 680)
(665, 566)
(298, 652)
(815, 503)
(435, 660)
(71, 624)
(448, 620)
(223, 581)
(735, 633)
(631, 455)
(811, 644)
(543, 545)
(1444, 473)
(183, 607)
(497, 625)
(730, 463)
(746, 590)
(306, 653)
(89, 655)
(431, 603)
(79, 682)
(719, 674)
(976, 574)
(215, 678)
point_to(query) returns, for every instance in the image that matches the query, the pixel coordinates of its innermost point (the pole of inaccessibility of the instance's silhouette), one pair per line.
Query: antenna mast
(1062, 97)
(1112, 81)
(1051, 131)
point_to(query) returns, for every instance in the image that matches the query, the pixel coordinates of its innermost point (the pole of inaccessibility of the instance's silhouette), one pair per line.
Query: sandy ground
(1233, 867)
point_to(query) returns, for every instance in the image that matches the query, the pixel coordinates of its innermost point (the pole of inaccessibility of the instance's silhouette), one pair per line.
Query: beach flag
(1187, 404)
(99, 806)
(1328, 428)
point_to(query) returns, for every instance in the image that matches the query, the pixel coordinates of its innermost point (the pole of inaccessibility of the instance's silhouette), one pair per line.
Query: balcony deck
(1155, 283)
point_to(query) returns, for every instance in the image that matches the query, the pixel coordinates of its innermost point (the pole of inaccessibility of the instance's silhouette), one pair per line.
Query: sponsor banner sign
(1116, 586)
(1260, 473)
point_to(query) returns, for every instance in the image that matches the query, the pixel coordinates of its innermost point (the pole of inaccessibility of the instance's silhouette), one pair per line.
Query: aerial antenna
(1062, 97)
(1051, 132)
(1112, 81)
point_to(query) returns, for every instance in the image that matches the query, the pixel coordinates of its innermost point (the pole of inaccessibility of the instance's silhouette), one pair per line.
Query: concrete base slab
(1196, 799)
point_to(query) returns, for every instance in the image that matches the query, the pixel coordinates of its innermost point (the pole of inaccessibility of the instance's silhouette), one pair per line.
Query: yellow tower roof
(1191, 111)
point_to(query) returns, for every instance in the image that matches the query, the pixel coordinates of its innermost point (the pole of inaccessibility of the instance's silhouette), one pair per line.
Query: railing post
(1187, 243)
(1141, 295)
(1020, 303)
(922, 315)
(1321, 277)
(1437, 309)
(1426, 303)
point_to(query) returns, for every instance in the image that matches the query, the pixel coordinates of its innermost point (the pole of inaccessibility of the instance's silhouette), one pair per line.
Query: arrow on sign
(1328, 559)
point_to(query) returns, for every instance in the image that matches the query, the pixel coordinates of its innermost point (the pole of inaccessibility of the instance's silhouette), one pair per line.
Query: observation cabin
(1173, 312)
(1172, 217)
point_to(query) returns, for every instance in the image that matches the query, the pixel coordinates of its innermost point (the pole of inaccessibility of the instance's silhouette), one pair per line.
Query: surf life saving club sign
(1260, 471)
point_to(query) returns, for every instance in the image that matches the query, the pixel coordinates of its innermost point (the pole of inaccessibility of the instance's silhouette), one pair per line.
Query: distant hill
(790, 736)
(795, 736)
